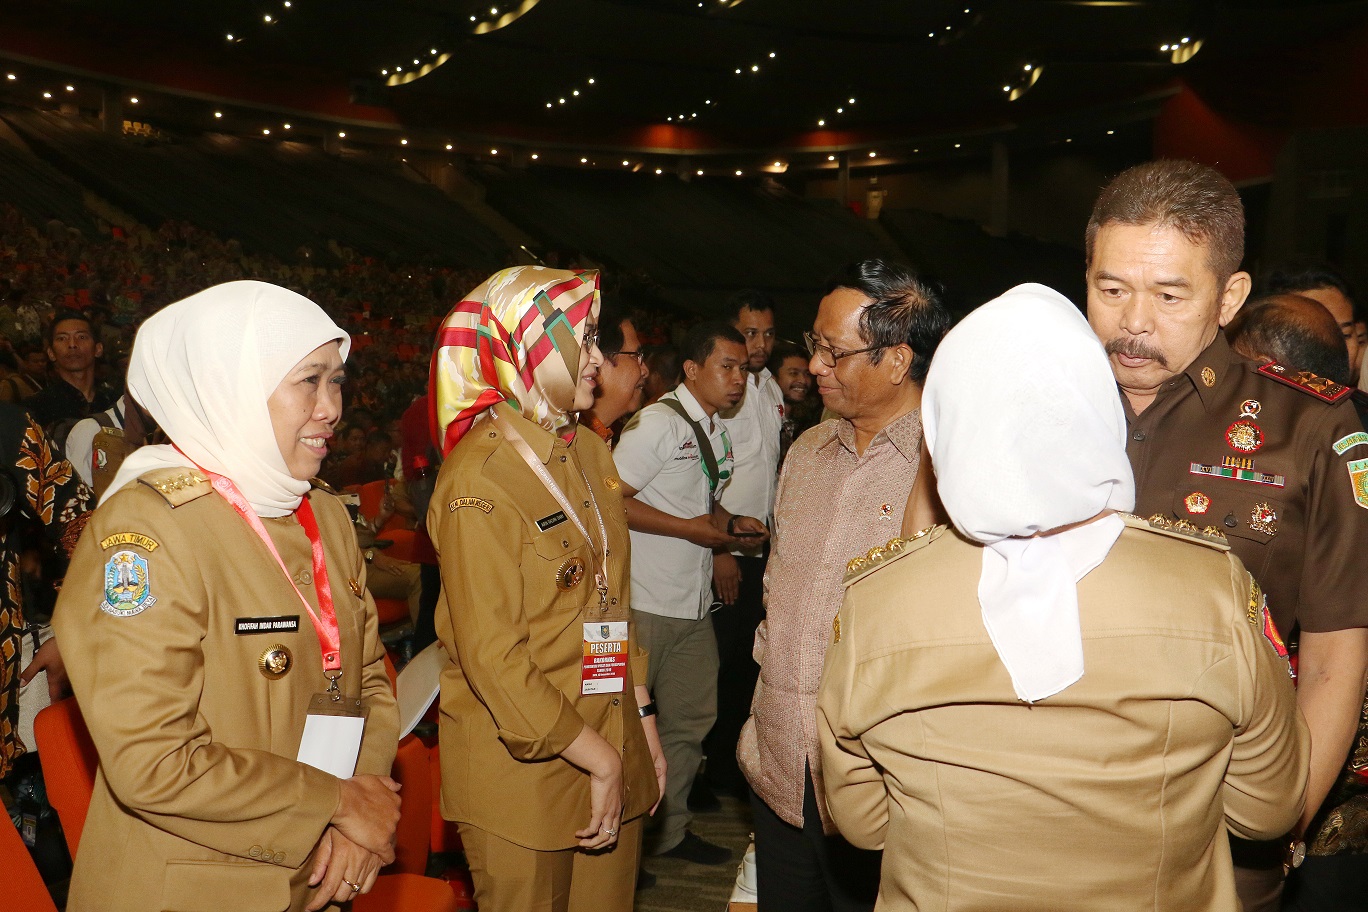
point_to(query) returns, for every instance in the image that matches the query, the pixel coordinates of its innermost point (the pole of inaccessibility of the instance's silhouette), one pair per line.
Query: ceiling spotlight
(831, 158)
(268, 18)
(624, 163)
(71, 88)
(384, 72)
(1027, 68)
(852, 101)
(1070, 139)
(448, 147)
(266, 131)
(821, 123)
(670, 119)
(534, 156)
(738, 172)
(755, 67)
(658, 171)
(584, 161)
(840, 110)
(403, 142)
(575, 93)
(873, 154)
(286, 4)
(550, 105)
(916, 150)
(778, 164)
(738, 71)
(493, 151)
(957, 145)
(218, 114)
(1006, 88)
(398, 69)
(707, 101)
(341, 135)
(230, 36)
(1111, 132)
(562, 101)
(433, 52)
(771, 55)
(472, 18)
(286, 126)
(699, 172)
(11, 77)
(415, 61)
(591, 80)
(493, 11)
(1186, 40)
(47, 94)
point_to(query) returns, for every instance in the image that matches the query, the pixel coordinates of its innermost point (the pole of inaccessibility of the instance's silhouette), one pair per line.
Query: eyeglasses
(828, 355)
(591, 334)
(639, 356)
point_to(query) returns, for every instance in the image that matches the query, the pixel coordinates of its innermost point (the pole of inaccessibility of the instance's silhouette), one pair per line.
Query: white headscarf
(1027, 434)
(204, 368)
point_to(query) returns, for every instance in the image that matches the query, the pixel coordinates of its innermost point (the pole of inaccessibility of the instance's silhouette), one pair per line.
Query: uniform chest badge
(1245, 436)
(128, 587)
(275, 662)
(101, 459)
(612, 483)
(1263, 518)
(570, 574)
(1208, 377)
(886, 510)
(1197, 502)
(1250, 408)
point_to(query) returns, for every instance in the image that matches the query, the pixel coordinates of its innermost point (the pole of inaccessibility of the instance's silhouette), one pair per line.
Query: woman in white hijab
(1055, 705)
(218, 634)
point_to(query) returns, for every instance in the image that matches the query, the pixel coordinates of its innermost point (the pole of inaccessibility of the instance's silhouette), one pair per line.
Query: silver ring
(356, 888)
(612, 832)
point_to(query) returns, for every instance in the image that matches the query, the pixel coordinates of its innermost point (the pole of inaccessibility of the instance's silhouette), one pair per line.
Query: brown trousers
(511, 878)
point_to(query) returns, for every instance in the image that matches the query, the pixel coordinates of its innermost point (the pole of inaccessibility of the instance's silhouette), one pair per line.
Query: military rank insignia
(1197, 503)
(127, 588)
(1323, 389)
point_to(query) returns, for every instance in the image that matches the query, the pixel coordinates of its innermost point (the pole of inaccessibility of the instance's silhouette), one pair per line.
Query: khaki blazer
(199, 803)
(513, 624)
(1114, 794)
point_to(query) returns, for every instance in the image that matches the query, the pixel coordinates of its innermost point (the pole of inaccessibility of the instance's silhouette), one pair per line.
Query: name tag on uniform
(550, 522)
(282, 623)
(605, 658)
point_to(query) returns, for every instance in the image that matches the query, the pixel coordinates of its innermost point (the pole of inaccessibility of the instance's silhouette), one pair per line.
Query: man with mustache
(1272, 457)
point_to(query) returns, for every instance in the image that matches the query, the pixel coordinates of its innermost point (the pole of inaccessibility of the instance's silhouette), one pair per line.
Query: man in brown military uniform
(1273, 458)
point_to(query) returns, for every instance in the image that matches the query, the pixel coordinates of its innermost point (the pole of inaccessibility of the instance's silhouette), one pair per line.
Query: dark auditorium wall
(1049, 199)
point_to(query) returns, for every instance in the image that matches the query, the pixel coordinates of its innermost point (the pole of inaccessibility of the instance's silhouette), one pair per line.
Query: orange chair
(413, 837)
(69, 762)
(24, 888)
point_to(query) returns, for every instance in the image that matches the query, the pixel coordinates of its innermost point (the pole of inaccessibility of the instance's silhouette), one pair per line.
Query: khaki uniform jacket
(199, 802)
(517, 589)
(1114, 794)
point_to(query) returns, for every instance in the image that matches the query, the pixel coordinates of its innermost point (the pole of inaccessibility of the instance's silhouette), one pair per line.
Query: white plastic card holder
(332, 735)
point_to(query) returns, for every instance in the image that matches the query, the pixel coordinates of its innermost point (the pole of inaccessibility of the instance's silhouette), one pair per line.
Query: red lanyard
(326, 626)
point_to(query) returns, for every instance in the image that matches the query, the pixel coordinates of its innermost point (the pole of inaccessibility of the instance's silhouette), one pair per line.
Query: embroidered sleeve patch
(127, 586)
(130, 538)
(1259, 616)
(1358, 478)
(483, 506)
(1349, 441)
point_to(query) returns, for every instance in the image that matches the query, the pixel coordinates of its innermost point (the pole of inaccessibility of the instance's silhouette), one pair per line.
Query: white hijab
(1027, 434)
(204, 368)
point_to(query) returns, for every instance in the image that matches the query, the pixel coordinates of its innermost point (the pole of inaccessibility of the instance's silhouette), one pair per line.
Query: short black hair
(784, 350)
(1307, 277)
(610, 320)
(663, 360)
(61, 317)
(748, 299)
(904, 309)
(702, 338)
(1276, 326)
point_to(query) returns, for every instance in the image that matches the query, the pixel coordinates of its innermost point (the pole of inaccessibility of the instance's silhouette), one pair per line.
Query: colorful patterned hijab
(515, 339)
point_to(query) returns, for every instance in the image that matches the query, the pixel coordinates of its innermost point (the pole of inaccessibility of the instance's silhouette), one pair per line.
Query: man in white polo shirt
(674, 458)
(739, 574)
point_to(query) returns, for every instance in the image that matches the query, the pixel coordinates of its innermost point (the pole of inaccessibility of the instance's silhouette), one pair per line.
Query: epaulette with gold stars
(178, 485)
(1182, 529)
(883, 555)
(1323, 389)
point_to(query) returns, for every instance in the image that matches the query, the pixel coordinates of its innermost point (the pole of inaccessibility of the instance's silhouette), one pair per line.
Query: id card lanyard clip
(599, 551)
